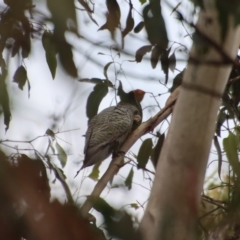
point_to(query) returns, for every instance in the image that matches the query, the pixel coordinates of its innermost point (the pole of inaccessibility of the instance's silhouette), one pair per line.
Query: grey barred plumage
(107, 131)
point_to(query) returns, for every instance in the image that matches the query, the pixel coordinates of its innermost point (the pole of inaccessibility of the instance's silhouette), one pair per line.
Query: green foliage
(129, 179)
(51, 51)
(230, 145)
(113, 17)
(144, 153)
(118, 224)
(155, 154)
(62, 156)
(155, 25)
(142, 51)
(94, 175)
(219, 153)
(156, 53)
(4, 98)
(129, 22)
(105, 69)
(177, 81)
(222, 117)
(142, 1)
(157, 36)
(60, 20)
(20, 77)
(139, 27)
(95, 98)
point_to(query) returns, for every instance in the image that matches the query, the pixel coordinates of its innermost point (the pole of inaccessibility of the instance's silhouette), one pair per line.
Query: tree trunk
(172, 209)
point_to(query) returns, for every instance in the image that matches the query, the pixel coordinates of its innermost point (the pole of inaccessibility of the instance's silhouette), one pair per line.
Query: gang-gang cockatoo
(107, 131)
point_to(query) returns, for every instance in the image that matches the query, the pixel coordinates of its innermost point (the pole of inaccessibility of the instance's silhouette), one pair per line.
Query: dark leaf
(60, 173)
(95, 98)
(230, 145)
(26, 37)
(101, 206)
(134, 205)
(15, 49)
(172, 62)
(52, 62)
(50, 133)
(142, 1)
(235, 90)
(128, 181)
(222, 117)
(165, 63)
(85, 5)
(119, 225)
(223, 12)
(61, 13)
(91, 17)
(155, 25)
(91, 80)
(20, 77)
(26, 46)
(105, 69)
(62, 156)
(66, 58)
(88, 9)
(4, 102)
(219, 153)
(51, 51)
(144, 153)
(139, 27)
(156, 53)
(47, 39)
(177, 81)
(142, 51)
(114, 9)
(129, 21)
(157, 150)
(112, 17)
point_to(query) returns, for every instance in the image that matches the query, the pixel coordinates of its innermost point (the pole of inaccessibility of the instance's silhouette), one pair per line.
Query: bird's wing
(116, 125)
(95, 127)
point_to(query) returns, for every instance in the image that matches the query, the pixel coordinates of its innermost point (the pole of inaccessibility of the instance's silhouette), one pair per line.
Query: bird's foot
(118, 153)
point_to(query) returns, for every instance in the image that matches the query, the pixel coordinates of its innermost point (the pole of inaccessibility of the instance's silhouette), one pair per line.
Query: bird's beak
(137, 118)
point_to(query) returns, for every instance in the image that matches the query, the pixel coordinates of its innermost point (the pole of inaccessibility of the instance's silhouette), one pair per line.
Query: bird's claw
(118, 153)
